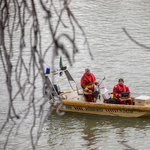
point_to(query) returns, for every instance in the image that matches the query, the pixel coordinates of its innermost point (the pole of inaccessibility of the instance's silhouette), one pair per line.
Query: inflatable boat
(74, 100)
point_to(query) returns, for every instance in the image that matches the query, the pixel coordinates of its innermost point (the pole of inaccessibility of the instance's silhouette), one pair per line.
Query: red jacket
(118, 89)
(87, 83)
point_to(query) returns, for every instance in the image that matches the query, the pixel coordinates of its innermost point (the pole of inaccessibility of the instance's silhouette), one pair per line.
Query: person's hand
(90, 91)
(98, 84)
(120, 95)
(130, 95)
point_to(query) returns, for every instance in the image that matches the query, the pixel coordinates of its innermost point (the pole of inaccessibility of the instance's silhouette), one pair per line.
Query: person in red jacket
(88, 81)
(120, 87)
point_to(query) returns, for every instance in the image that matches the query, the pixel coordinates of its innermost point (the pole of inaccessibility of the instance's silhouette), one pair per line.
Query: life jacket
(120, 88)
(90, 78)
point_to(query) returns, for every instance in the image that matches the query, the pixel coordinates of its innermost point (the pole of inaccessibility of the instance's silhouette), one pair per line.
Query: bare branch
(133, 40)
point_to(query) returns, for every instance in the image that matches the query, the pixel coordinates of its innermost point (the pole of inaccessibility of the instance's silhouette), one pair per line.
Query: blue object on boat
(47, 70)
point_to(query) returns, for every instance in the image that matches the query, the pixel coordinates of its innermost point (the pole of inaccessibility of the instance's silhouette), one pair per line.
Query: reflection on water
(115, 56)
(96, 132)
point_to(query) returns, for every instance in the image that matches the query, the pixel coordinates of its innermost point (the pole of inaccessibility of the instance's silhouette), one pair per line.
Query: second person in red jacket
(120, 87)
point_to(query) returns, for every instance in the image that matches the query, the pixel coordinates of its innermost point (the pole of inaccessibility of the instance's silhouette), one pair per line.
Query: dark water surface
(115, 56)
(85, 131)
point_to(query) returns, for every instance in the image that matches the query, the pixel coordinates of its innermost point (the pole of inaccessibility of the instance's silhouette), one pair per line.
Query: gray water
(115, 56)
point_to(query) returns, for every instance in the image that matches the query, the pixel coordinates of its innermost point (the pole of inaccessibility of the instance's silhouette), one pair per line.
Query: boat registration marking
(93, 109)
(126, 111)
(98, 109)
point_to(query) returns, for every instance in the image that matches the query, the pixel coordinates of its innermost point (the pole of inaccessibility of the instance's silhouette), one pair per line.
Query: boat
(74, 100)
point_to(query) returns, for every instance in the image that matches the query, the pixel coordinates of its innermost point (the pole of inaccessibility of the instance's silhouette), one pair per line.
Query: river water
(115, 56)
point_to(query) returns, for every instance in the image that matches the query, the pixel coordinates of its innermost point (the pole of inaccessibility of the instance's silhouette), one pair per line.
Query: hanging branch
(133, 40)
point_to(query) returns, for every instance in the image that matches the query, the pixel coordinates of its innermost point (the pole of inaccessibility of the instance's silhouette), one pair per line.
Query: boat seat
(79, 89)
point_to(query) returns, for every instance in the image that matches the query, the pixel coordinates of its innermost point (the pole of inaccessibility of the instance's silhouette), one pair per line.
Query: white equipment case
(142, 100)
(106, 95)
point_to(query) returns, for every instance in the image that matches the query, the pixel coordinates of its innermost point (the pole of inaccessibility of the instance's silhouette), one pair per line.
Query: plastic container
(106, 95)
(47, 70)
(142, 100)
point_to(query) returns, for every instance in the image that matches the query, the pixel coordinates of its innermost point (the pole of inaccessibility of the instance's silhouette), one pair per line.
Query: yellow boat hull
(105, 109)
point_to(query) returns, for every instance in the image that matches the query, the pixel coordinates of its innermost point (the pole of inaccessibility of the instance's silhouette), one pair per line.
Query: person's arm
(83, 85)
(127, 89)
(95, 81)
(115, 92)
